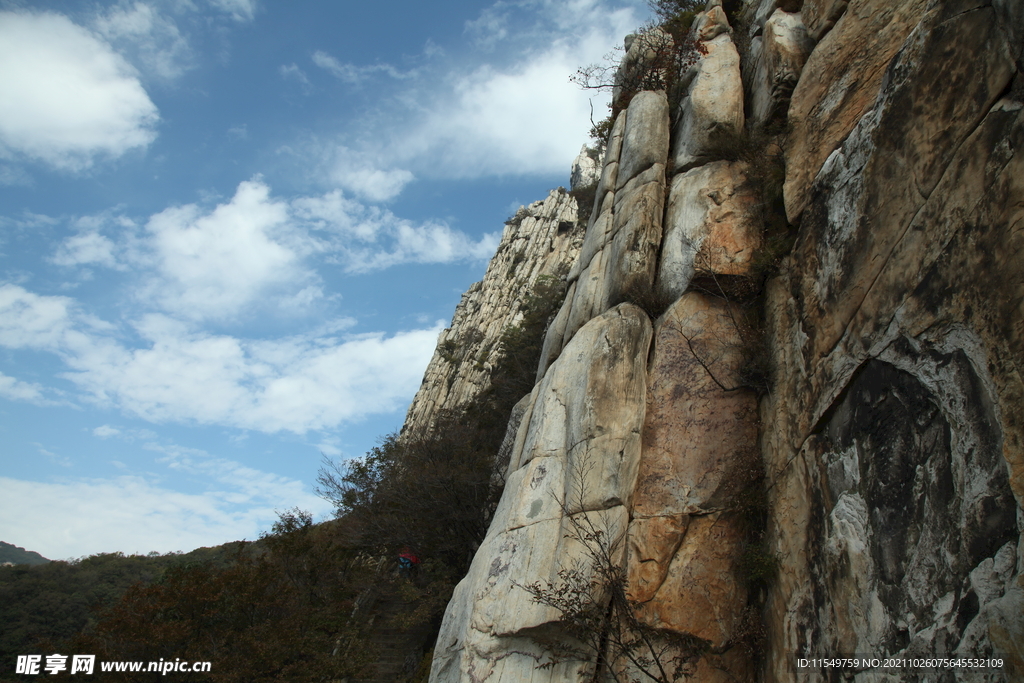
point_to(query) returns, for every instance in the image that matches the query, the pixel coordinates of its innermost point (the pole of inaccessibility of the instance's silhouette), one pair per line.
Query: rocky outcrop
(586, 168)
(868, 499)
(839, 84)
(894, 451)
(542, 239)
(687, 536)
(710, 227)
(621, 245)
(772, 69)
(576, 454)
(711, 114)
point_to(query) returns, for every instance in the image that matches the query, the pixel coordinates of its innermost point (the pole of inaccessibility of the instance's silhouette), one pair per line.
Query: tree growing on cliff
(597, 614)
(656, 57)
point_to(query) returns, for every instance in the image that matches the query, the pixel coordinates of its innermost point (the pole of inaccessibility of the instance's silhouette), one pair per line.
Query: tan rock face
(839, 84)
(893, 433)
(893, 158)
(577, 450)
(782, 50)
(710, 226)
(712, 111)
(700, 434)
(701, 593)
(895, 429)
(701, 426)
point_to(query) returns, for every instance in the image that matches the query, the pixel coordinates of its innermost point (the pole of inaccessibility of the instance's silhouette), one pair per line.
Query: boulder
(781, 52)
(645, 138)
(588, 407)
(572, 468)
(711, 114)
(710, 226)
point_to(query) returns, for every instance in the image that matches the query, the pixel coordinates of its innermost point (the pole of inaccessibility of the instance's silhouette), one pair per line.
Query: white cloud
(526, 119)
(296, 384)
(218, 263)
(490, 27)
(86, 248)
(29, 320)
(359, 174)
(89, 246)
(430, 243)
(346, 72)
(106, 431)
(16, 390)
(350, 73)
(374, 184)
(52, 457)
(515, 114)
(133, 514)
(152, 39)
(66, 97)
(292, 71)
(257, 252)
(370, 238)
(240, 10)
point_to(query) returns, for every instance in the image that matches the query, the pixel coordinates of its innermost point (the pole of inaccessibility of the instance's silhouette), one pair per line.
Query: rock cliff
(541, 240)
(780, 412)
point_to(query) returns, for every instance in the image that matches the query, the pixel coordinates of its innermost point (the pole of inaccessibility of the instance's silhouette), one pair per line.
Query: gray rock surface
(576, 453)
(711, 114)
(780, 51)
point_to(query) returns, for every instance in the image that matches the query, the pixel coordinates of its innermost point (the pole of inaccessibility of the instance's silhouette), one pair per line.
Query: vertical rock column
(620, 250)
(700, 463)
(576, 454)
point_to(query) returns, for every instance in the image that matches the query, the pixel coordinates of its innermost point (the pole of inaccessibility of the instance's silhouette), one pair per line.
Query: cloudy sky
(231, 230)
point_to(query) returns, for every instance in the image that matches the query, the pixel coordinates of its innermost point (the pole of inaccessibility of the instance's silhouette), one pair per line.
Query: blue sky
(231, 230)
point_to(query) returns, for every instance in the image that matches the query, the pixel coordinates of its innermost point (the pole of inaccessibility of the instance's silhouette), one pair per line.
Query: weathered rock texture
(895, 447)
(576, 453)
(891, 437)
(542, 239)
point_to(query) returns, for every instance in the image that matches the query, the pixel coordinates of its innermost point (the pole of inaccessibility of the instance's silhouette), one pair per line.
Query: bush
(278, 612)
(597, 614)
(641, 292)
(660, 60)
(676, 16)
(585, 197)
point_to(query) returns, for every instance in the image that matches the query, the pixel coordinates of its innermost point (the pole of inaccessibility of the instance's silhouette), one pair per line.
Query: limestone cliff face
(894, 439)
(890, 437)
(541, 240)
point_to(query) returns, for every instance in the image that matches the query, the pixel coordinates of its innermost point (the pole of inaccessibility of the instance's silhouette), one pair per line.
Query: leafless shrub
(597, 615)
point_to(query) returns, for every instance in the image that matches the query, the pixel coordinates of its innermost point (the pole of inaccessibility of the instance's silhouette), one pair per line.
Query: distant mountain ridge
(15, 555)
